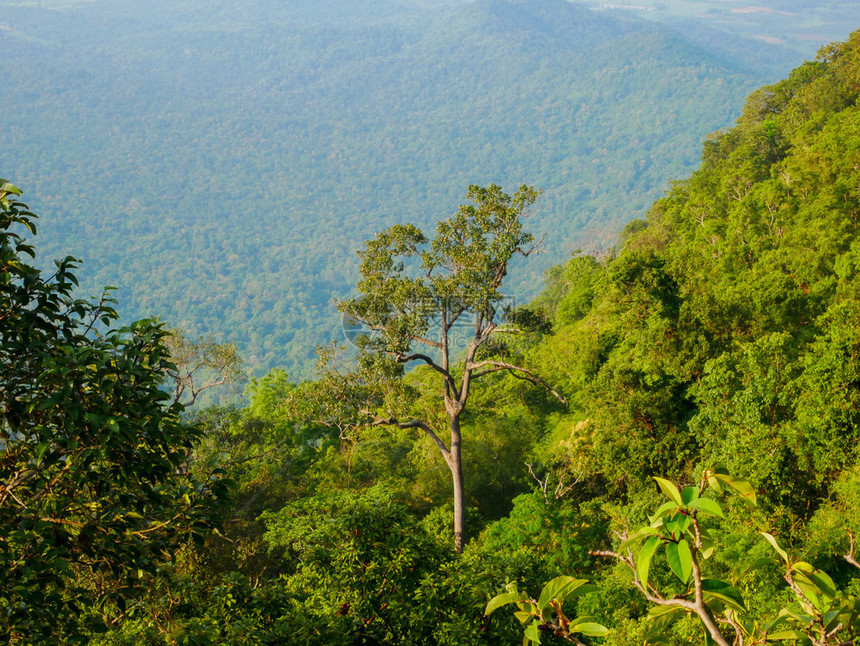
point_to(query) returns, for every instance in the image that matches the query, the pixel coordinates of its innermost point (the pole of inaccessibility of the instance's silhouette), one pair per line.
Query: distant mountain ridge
(532, 23)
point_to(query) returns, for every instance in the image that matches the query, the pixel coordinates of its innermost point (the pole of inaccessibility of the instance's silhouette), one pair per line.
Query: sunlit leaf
(680, 559)
(689, 494)
(533, 632)
(589, 628)
(643, 562)
(707, 506)
(501, 600)
(559, 588)
(670, 490)
(782, 553)
(637, 536)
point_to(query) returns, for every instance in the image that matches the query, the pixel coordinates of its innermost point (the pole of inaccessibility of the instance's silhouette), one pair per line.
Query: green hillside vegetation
(221, 164)
(716, 349)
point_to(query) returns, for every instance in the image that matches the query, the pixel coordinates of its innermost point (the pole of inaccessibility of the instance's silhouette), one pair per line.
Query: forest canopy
(710, 371)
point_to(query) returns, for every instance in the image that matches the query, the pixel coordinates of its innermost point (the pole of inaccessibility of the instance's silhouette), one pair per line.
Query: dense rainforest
(707, 367)
(220, 164)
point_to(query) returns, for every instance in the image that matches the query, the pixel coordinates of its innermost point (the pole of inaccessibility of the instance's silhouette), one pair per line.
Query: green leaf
(810, 591)
(40, 452)
(501, 600)
(659, 611)
(743, 487)
(680, 559)
(524, 616)
(816, 577)
(637, 536)
(589, 628)
(707, 546)
(670, 490)
(707, 506)
(724, 592)
(660, 619)
(643, 562)
(532, 633)
(783, 635)
(714, 484)
(559, 588)
(689, 494)
(831, 619)
(8, 187)
(677, 525)
(770, 539)
(663, 510)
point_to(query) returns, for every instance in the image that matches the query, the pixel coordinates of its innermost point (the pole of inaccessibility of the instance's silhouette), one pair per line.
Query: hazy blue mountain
(796, 26)
(220, 163)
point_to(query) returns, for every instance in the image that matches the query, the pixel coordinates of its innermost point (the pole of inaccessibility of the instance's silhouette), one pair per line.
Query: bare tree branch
(850, 555)
(415, 423)
(517, 371)
(537, 247)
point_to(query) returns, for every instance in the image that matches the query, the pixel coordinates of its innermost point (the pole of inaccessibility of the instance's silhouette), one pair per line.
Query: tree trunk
(455, 464)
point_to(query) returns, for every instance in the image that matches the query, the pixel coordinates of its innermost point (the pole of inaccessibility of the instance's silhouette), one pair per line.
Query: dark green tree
(93, 456)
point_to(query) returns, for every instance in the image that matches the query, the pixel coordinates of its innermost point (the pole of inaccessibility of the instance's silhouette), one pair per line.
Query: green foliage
(680, 525)
(357, 569)
(547, 613)
(357, 556)
(720, 330)
(201, 365)
(560, 531)
(94, 457)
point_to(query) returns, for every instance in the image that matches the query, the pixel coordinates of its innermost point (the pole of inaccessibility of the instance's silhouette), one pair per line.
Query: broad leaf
(559, 588)
(663, 510)
(677, 525)
(524, 616)
(659, 611)
(643, 563)
(770, 539)
(816, 577)
(707, 547)
(590, 628)
(744, 488)
(532, 633)
(680, 559)
(502, 600)
(724, 592)
(661, 618)
(707, 506)
(637, 536)
(670, 490)
(831, 619)
(783, 635)
(689, 494)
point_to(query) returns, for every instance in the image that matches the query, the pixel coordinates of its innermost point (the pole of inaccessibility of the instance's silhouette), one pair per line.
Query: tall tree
(438, 302)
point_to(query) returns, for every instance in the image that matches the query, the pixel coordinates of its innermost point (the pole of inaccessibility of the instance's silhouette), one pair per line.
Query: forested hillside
(710, 362)
(221, 164)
